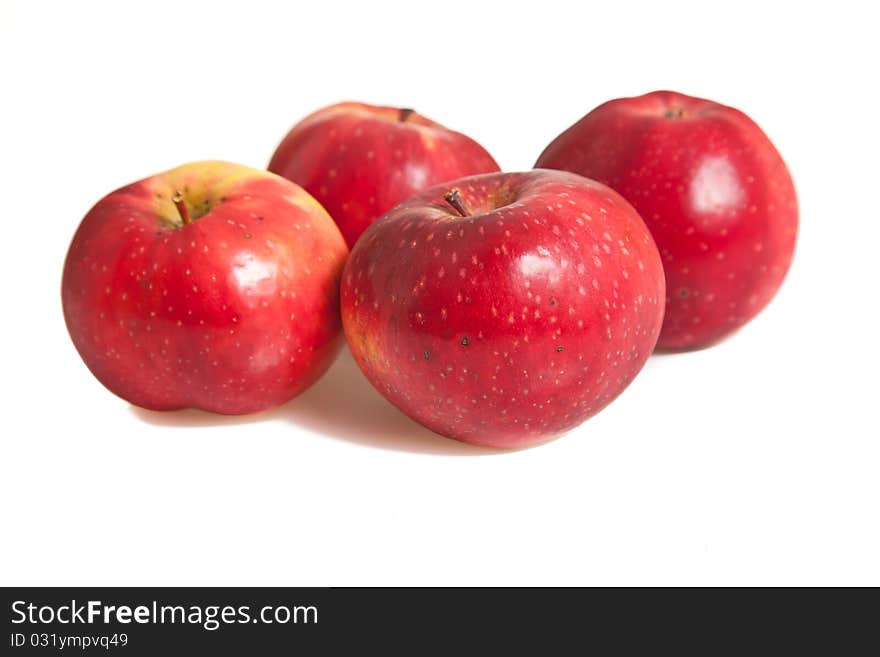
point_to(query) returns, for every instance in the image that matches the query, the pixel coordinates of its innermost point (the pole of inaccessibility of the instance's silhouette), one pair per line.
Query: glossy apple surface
(361, 160)
(504, 309)
(233, 312)
(712, 189)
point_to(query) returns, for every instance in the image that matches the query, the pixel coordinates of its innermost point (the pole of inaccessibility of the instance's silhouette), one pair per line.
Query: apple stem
(181, 207)
(673, 113)
(453, 197)
(404, 114)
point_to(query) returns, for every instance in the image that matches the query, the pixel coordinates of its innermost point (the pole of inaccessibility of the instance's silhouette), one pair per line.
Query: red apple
(714, 192)
(504, 309)
(212, 285)
(360, 160)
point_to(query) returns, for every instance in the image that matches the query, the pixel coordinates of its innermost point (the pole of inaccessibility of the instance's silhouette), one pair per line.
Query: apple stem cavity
(404, 114)
(453, 197)
(673, 113)
(182, 210)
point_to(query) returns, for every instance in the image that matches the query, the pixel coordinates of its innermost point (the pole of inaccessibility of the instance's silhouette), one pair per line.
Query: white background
(755, 462)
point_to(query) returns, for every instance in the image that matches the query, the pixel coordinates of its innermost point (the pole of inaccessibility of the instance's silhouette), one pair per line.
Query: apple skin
(512, 325)
(361, 160)
(233, 313)
(712, 189)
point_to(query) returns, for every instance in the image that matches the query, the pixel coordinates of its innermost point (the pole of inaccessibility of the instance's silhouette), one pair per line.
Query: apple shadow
(663, 352)
(343, 405)
(193, 417)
